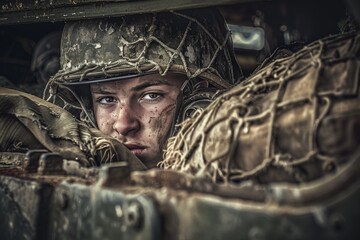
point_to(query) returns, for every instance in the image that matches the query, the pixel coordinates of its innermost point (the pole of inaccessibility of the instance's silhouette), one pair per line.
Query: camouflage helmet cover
(194, 42)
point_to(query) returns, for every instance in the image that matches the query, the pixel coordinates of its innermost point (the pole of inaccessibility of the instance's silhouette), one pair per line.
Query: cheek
(105, 127)
(160, 123)
(104, 122)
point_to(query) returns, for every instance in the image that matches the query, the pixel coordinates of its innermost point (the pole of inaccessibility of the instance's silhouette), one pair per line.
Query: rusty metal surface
(92, 212)
(48, 168)
(112, 207)
(209, 217)
(16, 5)
(15, 11)
(24, 206)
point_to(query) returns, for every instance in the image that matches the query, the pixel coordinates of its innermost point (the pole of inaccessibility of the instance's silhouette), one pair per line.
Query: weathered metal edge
(103, 9)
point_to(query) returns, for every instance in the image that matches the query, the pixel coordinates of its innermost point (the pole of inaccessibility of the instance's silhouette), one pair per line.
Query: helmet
(196, 43)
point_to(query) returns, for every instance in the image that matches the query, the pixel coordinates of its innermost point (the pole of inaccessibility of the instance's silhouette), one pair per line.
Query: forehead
(170, 79)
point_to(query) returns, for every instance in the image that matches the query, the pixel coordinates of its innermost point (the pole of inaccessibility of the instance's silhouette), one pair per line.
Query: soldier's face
(138, 111)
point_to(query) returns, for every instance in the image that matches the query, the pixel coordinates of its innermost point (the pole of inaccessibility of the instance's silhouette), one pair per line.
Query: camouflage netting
(28, 123)
(196, 43)
(294, 121)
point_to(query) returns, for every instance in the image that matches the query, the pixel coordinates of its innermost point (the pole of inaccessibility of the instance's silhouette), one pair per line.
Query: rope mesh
(273, 125)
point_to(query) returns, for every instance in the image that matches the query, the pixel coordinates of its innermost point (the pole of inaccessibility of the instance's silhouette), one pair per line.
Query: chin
(150, 162)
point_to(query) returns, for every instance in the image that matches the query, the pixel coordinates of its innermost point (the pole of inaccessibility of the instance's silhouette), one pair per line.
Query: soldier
(136, 77)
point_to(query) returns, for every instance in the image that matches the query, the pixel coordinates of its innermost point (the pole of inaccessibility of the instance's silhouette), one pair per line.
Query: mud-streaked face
(138, 111)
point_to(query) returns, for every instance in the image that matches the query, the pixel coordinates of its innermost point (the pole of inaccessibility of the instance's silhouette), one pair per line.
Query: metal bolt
(329, 167)
(133, 215)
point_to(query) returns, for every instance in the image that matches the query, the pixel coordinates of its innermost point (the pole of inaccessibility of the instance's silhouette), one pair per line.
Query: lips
(135, 149)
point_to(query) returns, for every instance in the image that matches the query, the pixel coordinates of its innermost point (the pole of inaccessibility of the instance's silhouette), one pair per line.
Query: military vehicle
(308, 186)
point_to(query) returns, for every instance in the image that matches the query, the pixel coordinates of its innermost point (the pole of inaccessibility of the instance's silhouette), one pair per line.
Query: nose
(126, 121)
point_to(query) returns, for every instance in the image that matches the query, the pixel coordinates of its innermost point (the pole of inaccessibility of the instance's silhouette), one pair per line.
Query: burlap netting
(28, 122)
(295, 120)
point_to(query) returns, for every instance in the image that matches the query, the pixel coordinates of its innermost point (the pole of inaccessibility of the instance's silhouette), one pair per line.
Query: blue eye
(106, 100)
(152, 96)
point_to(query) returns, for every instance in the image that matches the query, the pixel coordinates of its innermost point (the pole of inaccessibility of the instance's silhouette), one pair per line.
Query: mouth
(135, 149)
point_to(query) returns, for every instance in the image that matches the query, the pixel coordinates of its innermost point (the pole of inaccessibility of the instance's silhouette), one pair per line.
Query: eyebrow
(99, 90)
(149, 84)
(141, 86)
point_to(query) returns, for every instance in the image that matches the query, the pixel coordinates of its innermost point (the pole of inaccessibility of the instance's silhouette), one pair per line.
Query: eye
(152, 96)
(106, 100)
